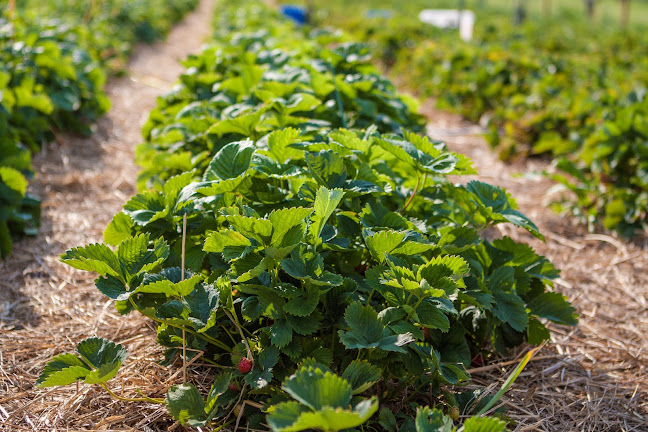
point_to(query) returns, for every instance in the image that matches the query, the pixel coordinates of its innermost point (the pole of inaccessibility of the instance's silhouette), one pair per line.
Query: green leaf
(326, 201)
(494, 202)
(258, 229)
(93, 257)
(387, 420)
(318, 389)
(432, 420)
(430, 160)
(281, 333)
(100, 351)
(186, 405)
(268, 357)
(555, 307)
(14, 180)
(502, 279)
(203, 303)
(258, 379)
(291, 417)
(146, 208)
(220, 386)
(5, 240)
(383, 242)
(119, 229)
(361, 375)
(304, 304)
(309, 266)
(453, 373)
(102, 361)
(432, 316)
(327, 167)
(366, 331)
(103, 373)
(363, 319)
(244, 124)
(304, 325)
(169, 288)
(286, 219)
(135, 256)
(484, 424)
(435, 270)
(250, 266)
(282, 417)
(111, 287)
(537, 332)
(510, 308)
(62, 370)
(231, 161)
(219, 240)
(459, 239)
(279, 142)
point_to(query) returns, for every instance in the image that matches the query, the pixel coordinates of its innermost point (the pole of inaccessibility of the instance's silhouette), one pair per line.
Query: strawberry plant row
(52, 74)
(314, 250)
(567, 89)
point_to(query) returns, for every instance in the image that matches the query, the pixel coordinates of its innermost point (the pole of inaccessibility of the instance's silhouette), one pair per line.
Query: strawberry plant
(324, 271)
(52, 74)
(317, 266)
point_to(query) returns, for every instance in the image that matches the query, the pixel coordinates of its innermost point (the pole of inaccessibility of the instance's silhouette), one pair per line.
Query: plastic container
(450, 18)
(298, 14)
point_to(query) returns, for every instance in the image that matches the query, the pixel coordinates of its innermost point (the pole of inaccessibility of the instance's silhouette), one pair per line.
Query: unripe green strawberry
(454, 413)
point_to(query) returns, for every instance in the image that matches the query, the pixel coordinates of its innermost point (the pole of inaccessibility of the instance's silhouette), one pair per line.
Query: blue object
(297, 14)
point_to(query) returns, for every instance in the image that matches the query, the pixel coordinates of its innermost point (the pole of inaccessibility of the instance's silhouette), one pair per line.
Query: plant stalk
(338, 99)
(418, 183)
(195, 333)
(126, 399)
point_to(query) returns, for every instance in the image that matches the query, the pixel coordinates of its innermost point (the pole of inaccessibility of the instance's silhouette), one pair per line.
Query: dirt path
(46, 307)
(595, 376)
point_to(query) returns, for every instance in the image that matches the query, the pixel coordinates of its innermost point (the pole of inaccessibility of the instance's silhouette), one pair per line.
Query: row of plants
(296, 234)
(52, 74)
(112, 28)
(570, 90)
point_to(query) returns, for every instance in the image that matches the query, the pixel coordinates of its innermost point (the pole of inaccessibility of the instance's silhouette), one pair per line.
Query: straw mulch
(589, 378)
(593, 377)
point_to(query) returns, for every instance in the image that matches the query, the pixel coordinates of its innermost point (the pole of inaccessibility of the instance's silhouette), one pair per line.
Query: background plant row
(563, 86)
(52, 74)
(323, 242)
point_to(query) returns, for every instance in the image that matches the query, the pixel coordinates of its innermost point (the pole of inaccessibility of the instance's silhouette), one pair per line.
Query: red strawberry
(477, 361)
(245, 365)
(233, 386)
